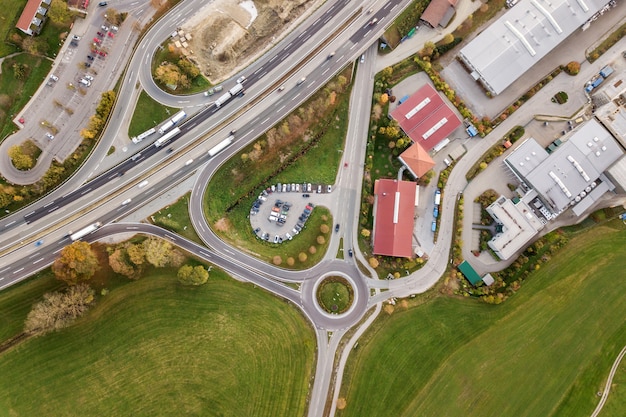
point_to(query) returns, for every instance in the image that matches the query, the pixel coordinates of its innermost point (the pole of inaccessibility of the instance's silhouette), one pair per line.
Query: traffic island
(335, 295)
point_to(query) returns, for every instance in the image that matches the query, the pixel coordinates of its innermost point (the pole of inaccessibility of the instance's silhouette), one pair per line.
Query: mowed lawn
(545, 352)
(156, 348)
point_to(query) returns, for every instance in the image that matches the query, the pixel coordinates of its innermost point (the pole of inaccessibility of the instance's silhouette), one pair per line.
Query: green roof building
(469, 272)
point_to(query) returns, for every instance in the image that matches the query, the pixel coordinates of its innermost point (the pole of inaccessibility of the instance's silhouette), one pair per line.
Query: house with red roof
(426, 118)
(439, 13)
(394, 206)
(416, 160)
(33, 16)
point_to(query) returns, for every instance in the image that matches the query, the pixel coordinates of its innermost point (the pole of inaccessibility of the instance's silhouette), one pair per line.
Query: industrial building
(522, 36)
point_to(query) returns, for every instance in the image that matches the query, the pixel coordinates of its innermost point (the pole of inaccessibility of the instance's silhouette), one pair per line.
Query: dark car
(306, 195)
(350, 252)
(100, 34)
(89, 57)
(87, 64)
(103, 4)
(337, 227)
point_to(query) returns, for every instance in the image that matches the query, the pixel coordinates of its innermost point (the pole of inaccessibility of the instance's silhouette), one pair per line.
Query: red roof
(426, 118)
(417, 160)
(30, 10)
(393, 217)
(436, 10)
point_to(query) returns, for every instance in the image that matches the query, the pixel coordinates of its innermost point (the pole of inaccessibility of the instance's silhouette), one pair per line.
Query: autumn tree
(188, 68)
(365, 233)
(19, 159)
(59, 13)
(373, 262)
(447, 39)
(161, 253)
(5, 199)
(59, 309)
(193, 275)
(573, 68)
(77, 262)
(167, 73)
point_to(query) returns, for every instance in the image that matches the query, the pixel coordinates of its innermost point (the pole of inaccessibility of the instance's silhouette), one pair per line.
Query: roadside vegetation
(469, 356)
(305, 147)
(335, 295)
(175, 218)
(495, 151)
(148, 114)
(148, 331)
(175, 73)
(24, 156)
(607, 43)
(408, 20)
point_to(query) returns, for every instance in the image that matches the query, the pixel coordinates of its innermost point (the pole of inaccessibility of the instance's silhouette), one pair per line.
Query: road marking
(33, 255)
(286, 56)
(255, 72)
(263, 75)
(15, 272)
(281, 108)
(288, 45)
(52, 209)
(183, 101)
(302, 34)
(273, 58)
(226, 250)
(49, 204)
(205, 254)
(201, 228)
(327, 20)
(367, 33)
(393, 8)
(246, 134)
(264, 121)
(353, 46)
(387, 5)
(58, 250)
(325, 71)
(132, 228)
(298, 95)
(86, 191)
(170, 237)
(38, 260)
(9, 224)
(341, 58)
(8, 267)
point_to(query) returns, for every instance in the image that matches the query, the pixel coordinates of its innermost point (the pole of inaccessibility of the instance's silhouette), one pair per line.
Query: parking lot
(282, 210)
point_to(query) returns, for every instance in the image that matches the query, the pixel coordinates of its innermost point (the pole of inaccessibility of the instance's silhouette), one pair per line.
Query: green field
(545, 352)
(148, 114)
(154, 347)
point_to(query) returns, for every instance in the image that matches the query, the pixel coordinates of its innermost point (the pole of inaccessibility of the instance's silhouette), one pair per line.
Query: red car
(96, 40)
(111, 34)
(102, 53)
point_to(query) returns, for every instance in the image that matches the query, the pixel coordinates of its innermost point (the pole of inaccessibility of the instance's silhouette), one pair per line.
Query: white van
(128, 200)
(189, 162)
(143, 183)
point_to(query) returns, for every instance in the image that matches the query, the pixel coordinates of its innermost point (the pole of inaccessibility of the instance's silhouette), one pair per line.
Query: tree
(161, 253)
(384, 98)
(373, 262)
(77, 262)
(387, 72)
(59, 309)
(5, 199)
(168, 74)
(59, 13)
(447, 39)
(365, 233)
(87, 134)
(136, 254)
(189, 275)
(188, 68)
(20, 71)
(573, 68)
(19, 159)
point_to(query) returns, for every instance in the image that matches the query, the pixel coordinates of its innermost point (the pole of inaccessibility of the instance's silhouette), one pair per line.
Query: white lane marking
(325, 71)
(170, 237)
(15, 272)
(273, 58)
(38, 260)
(264, 121)
(297, 95)
(10, 223)
(132, 228)
(281, 108)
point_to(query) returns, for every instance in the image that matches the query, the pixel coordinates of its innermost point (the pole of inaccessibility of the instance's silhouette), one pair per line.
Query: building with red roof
(438, 13)
(33, 16)
(416, 160)
(426, 118)
(394, 206)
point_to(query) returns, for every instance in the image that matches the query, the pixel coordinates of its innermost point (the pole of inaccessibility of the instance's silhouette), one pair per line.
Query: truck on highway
(223, 99)
(165, 138)
(237, 89)
(178, 117)
(166, 126)
(139, 138)
(221, 146)
(84, 231)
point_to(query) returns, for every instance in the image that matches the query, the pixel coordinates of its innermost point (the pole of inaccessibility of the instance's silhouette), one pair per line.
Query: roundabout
(334, 294)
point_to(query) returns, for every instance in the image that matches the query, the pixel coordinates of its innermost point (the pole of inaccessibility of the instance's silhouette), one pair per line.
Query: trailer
(221, 146)
(84, 231)
(606, 71)
(167, 126)
(159, 142)
(139, 138)
(178, 117)
(223, 99)
(237, 89)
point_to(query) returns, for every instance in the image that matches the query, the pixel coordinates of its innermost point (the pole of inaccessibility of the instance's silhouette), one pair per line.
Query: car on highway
(332, 54)
(373, 21)
(128, 200)
(49, 135)
(209, 92)
(281, 88)
(301, 81)
(241, 79)
(39, 242)
(362, 58)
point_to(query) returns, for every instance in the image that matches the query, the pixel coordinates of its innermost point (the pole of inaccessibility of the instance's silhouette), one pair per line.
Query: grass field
(154, 347)
(175, 217)
(545, 352)
(148, 113)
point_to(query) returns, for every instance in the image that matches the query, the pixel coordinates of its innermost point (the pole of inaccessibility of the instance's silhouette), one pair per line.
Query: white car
(241, 79)
(362, 58)
(54, 77)
(288, 236)
(49, 135)
(89, 77)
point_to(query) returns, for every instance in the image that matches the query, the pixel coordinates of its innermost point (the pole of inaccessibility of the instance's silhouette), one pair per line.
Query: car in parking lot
(308, 187)
(288, 236)
(54, 77)
(319, 189)
(257, 230)
(284, 190)
(97, 40)
(49, 135)
(275, 238)
(88, 77)
(111, 34)
(90, 57)
(436, 212)
(103, 4)
(329, 189)
(100, 34)
(266, 236)
(87, 64)
(75, 38)
(295, 231)
(85, 82)
(433, 226)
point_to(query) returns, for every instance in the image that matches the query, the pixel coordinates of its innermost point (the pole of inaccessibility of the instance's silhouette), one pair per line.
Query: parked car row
(304, 187)
(279, 210)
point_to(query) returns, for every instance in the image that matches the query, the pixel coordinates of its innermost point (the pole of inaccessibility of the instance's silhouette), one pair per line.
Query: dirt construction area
(227, 34)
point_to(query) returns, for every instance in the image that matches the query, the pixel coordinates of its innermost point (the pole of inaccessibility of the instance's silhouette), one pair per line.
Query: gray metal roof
(574, 166)
(522, 36)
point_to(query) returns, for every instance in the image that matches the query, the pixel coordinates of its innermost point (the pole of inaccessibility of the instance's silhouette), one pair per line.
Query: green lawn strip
(16, 301)
(10, 16)
(616, 403)
(18, 92)
(148, 113)
(175, 218)
(523, 358)
(154, 347)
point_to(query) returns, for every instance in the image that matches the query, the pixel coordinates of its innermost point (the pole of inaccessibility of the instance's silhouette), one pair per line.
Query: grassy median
(545, 352)
(154, 347)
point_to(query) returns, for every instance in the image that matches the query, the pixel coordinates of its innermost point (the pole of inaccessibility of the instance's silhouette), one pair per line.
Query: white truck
(85, 231)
